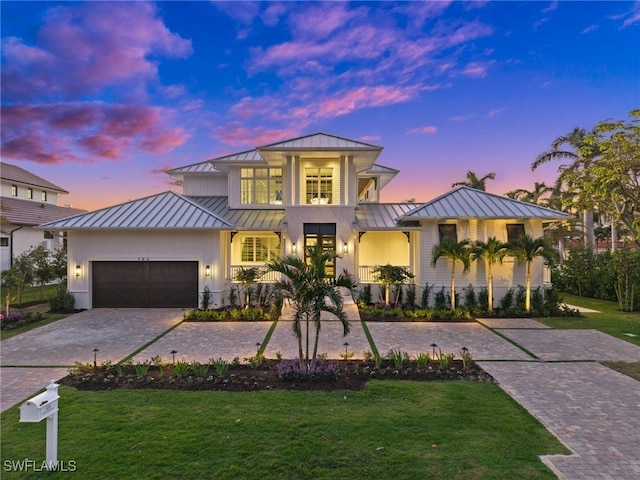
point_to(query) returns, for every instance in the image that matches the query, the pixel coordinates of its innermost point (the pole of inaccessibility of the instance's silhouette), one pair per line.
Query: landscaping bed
(335, 375)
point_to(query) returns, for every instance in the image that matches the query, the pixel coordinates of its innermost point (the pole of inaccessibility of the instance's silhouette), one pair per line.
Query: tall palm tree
(531, 196)
(492, 251)
(474, 182)
(456, 252)
(526, 249)
(569, 147)
(304, 284)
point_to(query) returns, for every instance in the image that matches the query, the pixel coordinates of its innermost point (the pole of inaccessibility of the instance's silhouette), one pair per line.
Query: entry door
(325, 235)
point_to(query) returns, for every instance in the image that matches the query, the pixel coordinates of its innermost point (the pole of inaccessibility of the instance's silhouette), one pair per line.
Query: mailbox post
(45, 405)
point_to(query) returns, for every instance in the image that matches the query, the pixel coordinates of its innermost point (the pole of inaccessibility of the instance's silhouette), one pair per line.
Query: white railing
(267, 276)
(366, 275)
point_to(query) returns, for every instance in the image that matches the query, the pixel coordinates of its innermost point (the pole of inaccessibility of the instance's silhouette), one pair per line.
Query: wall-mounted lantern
(207, 271)
(78, 271)
(294, 249)
(345, 248)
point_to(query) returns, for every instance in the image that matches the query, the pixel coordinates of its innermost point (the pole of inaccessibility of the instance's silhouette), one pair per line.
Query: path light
(464, 350)
(257, 347)
(433, 346)
(95, 357)
(173, 353)
(346, 346)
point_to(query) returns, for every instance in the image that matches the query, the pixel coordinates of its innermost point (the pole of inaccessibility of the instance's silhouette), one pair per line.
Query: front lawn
(48, 317)
(610, 320)
(392, 430)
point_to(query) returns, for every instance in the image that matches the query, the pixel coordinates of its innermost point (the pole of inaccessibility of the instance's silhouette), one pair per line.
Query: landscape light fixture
(95, 357)
(346, 346)
(207, 271)
(345, 248)
(433, 346)
(294, 249)
(78, 271)
(257, 348)
(173, 353)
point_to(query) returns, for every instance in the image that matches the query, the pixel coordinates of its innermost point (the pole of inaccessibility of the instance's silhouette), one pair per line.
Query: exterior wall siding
(205, 185)
(85, 247)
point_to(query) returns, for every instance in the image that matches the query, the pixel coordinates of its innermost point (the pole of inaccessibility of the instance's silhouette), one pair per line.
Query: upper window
(261, 186)
(4, 241)
(448, 230)
(48, 235)
(515, 231)
(29, 193)
(14, 190)
(260, 249)
(319, 186)
(44, 196)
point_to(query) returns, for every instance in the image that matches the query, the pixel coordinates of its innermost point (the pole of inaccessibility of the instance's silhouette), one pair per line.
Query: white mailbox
(39, 407)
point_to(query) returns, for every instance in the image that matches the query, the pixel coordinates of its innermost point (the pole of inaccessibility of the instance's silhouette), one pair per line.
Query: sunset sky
(102, 97)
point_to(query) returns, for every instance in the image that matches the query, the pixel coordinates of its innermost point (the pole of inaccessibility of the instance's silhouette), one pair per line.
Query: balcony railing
(267, 276)
(366, 275)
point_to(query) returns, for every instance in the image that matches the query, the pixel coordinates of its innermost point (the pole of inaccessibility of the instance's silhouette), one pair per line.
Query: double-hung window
(319, 183)
(261, 186)
(447, 230)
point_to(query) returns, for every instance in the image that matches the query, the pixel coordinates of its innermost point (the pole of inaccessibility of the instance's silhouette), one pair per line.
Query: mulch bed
(351, 375)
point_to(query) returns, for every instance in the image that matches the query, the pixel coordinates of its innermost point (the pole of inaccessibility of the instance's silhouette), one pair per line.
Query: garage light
(294, 249)
(345, 248)
(207, 271)
(78, 271)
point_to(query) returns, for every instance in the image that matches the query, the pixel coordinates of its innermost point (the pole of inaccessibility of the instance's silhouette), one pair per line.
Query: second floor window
(29, 193)
(515, 232)
(319, 182)
(14, 190)
(44, 196)
(261, 186)
(448, 230)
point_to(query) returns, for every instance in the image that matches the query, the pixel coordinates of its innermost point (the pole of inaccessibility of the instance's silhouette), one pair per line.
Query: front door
(323, 234)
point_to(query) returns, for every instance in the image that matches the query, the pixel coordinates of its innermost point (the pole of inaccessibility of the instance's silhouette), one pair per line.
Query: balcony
(267, 276)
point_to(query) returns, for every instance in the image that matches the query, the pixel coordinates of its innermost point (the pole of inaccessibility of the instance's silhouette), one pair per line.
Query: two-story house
(27, 201)
(250, 207)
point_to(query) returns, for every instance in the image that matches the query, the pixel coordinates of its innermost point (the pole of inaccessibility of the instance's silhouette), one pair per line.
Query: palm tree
(492, 251)
(247, 277)
(569, 147)
(456, 252)
(526, 249)
(533, 196)
(474, 182)
(305, 285)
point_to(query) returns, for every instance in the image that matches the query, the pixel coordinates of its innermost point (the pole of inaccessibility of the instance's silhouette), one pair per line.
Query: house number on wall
(143, 259)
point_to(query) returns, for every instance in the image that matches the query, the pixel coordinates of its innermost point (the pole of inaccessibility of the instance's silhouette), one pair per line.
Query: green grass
(610, 320)
(31, 294)
(48, 318)
(392, 430)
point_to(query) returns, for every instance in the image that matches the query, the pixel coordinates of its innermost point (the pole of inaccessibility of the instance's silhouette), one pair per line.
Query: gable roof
(20, 175)
(164, 210)
(383, 216)
(246, 156)
(266, 219)
(28, 212)
(202, 167)
(467, 202)
(320, 141)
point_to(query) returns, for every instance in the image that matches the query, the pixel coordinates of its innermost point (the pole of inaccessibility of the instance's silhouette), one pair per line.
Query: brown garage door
(145, 284)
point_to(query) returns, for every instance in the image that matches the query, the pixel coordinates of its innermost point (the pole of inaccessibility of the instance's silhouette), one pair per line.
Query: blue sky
(101, 97)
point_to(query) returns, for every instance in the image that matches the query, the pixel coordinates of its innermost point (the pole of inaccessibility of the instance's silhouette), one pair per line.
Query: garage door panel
(145, 284)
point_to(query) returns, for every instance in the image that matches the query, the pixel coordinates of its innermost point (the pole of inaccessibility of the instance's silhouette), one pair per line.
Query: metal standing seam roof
(164, 210)
(467, 202)
(20, 175)
(382, 216)
(246, 156)
(243, 218)
(202, 167)
(320, 141)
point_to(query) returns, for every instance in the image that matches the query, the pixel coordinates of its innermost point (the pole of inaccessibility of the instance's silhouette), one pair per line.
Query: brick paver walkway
(592, 409)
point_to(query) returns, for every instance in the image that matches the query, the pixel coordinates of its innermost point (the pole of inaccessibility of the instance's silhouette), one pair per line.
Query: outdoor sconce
(78, 271)
(345, 248)
(294, 249)
(207, 271)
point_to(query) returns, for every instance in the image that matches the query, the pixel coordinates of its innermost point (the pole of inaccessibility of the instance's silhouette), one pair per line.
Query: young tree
(41, 267)
(526, 249)
(248, 276)
(389, 275)
(59, 266)
(492, 251)
(474, 182)
(23, 273)
(305, 285)
(455, 252)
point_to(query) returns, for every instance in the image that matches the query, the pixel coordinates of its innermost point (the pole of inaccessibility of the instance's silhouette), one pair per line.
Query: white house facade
(27, 201)
(245, 209)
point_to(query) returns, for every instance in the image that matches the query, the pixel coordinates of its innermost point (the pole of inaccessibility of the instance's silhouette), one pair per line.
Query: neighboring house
(26, 202)
(245, 209)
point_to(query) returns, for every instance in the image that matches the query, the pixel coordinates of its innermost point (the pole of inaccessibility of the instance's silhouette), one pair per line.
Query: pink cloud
(55, 133)
(428, 130)
(318, 21)
(475, 70)
(362, 97)
(239, 135)
(83, 49)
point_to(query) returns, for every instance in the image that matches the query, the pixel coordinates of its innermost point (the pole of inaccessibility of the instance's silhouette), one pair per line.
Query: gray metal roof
(320, 141)
(202, 167)
(165, 210)
(248, 156)
(20, 175)
(382, 216)
(28, 212)
(467, 202)
(243, 218)
(377, 168)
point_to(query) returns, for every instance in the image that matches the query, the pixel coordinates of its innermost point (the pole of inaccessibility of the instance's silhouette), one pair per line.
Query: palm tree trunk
(490, 289)
(306, 357)
(453, 287)
(589, 238)
(315, 343)
(527, 298)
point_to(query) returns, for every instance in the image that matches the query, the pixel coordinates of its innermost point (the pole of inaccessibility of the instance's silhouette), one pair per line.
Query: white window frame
(267, 181)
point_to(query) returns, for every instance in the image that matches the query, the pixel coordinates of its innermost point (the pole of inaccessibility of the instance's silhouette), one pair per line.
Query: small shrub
(465, 355)
(506, 303)
(142, 368)
(445, 358)
(290, 370)
(411, 295)
(441, 299)
(426, 292)
(62, 302)
(422, 359)
(221, 366)
(470, 299)
(206, 298)
(483, 299)
(199, 369)
(398, 357)
(365, 295)
(521, 297)
(368, 356)
(180, 368)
